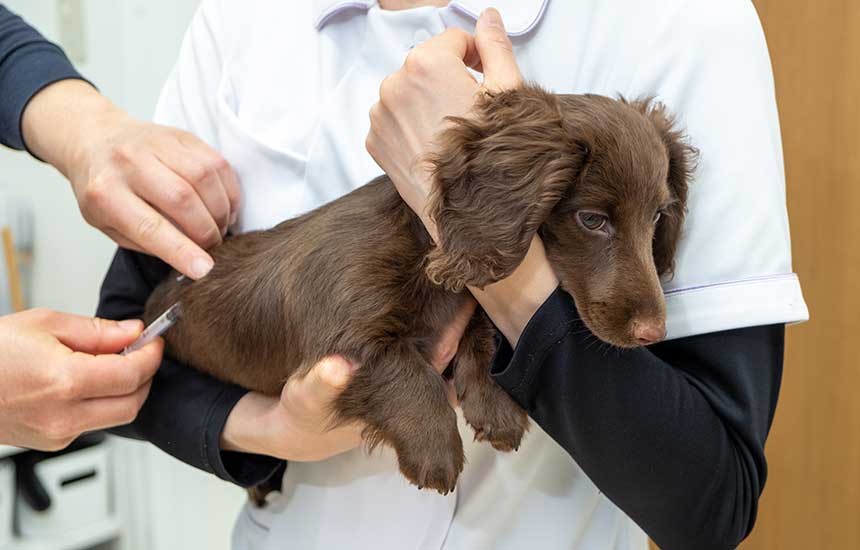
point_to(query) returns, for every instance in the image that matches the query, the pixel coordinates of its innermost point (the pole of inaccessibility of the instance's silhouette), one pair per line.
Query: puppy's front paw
(495, 417)
(433, 464)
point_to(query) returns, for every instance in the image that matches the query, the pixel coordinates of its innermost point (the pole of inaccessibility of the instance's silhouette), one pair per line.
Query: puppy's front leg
(488, 409)
(404, 403)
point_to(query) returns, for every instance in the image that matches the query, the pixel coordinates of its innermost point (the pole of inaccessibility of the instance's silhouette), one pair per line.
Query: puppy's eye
(657, 217)
(592, 221)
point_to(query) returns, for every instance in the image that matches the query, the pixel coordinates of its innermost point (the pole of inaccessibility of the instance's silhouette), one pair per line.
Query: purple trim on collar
(325, 16)
(455, 4)
(759, 279)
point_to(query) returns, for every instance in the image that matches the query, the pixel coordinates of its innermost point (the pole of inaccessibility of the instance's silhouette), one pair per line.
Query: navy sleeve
(28, 63)
(186, 410)
(673, 434)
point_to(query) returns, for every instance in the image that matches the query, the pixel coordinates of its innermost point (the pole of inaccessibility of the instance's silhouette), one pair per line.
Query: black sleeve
(673, 434)
(186, 410)
(28, 63)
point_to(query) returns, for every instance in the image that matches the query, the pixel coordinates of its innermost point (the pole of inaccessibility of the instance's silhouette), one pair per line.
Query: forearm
(513, 301)
(297, 426)
(60, 119)
(243, 431)
(673, 434)
(28, 64)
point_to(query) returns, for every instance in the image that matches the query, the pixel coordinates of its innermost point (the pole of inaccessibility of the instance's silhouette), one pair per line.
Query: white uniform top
(283, 89)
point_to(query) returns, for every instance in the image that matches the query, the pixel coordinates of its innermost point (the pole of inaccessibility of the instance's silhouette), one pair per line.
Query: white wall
(131, 46)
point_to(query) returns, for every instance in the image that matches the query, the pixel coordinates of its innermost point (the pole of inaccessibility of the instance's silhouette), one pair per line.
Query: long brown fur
(359, 276)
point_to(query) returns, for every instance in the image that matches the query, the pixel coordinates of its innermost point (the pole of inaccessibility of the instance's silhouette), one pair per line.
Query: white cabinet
(81, 514)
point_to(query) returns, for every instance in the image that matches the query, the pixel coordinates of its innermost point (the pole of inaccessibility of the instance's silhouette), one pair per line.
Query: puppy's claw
(502, 439)
(437, 468)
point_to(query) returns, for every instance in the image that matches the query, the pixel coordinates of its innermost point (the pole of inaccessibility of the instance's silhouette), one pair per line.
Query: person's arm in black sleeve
(673, 434)
(186, 410)
(28, 64)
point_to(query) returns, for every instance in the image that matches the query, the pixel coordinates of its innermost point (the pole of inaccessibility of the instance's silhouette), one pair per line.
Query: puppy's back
(329, 281)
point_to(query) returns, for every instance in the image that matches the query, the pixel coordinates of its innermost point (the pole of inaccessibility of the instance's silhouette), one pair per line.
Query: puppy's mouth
(621, 331)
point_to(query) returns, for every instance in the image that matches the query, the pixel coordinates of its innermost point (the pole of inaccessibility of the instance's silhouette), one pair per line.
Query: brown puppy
(602, 181)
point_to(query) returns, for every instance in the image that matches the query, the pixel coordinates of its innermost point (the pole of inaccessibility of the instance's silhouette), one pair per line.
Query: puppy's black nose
(648, 331)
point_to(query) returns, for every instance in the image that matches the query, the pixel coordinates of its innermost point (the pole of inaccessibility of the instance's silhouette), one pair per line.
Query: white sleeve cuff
(715, 307)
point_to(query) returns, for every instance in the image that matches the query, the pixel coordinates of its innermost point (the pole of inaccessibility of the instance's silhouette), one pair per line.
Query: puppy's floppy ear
(498, 175)
(682, 164)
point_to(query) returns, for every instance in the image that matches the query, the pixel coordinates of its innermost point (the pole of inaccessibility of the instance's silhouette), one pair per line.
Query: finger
(120, 240)
(455, 42)
(449, 341)
(500, 68)
(234, 191)
(325, 382)
(143, 228)
(226, 174)
(201, 170)
(382, 125)
(170, 193)
(92, 335)
(213, 193)
(107, 412)
(154, 234)
(114, 375)
(453, 400)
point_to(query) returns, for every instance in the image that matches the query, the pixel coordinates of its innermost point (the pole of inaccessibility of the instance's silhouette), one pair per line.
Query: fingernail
(201, 267)
(344, 362)
(491, 18)
(129, 325)
(334, 373)
(233, 217)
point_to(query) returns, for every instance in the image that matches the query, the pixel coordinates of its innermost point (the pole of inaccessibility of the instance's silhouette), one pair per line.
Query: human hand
(413, 103)
(433, 84)
(150, 188)
(297, 426)
(54, 385)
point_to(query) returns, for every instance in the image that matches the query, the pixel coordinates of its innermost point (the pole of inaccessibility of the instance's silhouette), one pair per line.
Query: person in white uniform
(666, 440)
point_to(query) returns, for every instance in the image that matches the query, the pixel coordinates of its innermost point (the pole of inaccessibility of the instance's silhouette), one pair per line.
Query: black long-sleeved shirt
(673, 434)
(28, 63)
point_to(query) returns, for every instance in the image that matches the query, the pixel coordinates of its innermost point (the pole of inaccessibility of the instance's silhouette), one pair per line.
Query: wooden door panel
(813, 492)
(812, 498)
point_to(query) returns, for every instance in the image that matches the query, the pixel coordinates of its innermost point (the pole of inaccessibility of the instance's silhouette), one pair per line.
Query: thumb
(93, 335)
(497, 54)
(328, 378)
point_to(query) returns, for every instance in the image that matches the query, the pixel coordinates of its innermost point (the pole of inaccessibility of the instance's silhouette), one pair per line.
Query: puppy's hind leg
(404, 403)
(488, 409)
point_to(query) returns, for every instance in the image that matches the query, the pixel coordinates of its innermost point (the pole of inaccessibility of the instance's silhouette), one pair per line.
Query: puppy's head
(602, 181)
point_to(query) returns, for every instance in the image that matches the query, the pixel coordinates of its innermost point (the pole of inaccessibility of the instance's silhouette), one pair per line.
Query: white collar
(520, 16)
